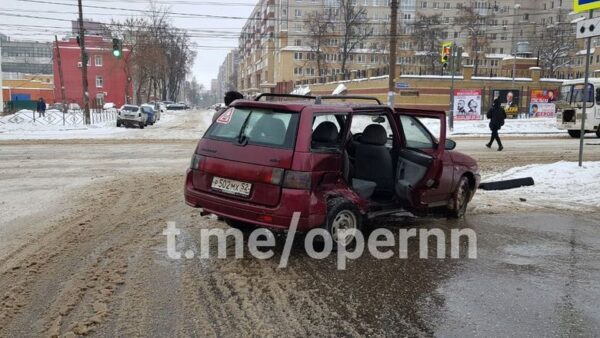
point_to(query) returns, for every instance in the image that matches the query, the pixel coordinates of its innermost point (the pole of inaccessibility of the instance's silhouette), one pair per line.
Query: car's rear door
(245, 152)
(420, 161)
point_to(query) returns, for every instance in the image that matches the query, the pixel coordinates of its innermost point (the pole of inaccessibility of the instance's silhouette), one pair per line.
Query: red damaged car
(337, 163)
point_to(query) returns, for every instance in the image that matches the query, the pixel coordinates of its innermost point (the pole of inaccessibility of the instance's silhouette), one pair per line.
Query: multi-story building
(228, 73)
(107, 76)
(22, 58)
(500, 37)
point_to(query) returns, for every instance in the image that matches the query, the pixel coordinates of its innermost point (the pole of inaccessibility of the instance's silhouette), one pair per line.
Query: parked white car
(73, 108)
(109, 107)
(131, 115)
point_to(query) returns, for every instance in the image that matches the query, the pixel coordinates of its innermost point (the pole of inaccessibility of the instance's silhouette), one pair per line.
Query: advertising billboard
(509, 100)
(542, 103)
(467, 104)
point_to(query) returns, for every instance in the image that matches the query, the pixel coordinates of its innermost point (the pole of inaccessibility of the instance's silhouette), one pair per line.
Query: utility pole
(586, 92)
(453, 58)
(60, 76)
(392, 60)
(84, 59)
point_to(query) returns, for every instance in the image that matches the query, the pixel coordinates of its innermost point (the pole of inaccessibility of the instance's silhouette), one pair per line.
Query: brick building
(107, 75)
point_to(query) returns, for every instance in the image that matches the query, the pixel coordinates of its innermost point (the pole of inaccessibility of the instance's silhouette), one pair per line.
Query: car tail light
(265, 218)
(275, 176)
(297, 180)
(196, 162)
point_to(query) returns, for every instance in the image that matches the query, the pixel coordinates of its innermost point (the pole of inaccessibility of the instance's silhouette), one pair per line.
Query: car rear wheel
(574, 133)
(460, 199)
(142, 125)
(343, 221)
(118, 123)
(598, 132)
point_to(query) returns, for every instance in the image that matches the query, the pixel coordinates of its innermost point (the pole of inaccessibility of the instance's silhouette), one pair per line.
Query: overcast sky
(213, 36)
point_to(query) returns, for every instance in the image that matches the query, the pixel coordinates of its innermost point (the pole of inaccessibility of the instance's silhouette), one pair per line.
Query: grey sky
(212, 45)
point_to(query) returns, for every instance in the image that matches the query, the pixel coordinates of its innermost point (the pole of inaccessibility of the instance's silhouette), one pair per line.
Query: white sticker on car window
(225, 118)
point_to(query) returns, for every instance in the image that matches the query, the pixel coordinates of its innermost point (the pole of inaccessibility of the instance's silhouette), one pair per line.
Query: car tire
(460, 199)
(598, 132)
(574, 133)
(342, 214)
(142, 125)
(242, 226)
(118, 123)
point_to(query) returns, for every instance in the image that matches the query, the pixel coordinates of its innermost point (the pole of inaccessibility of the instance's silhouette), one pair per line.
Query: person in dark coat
(41, 107)
(496, 115)
(230, 96)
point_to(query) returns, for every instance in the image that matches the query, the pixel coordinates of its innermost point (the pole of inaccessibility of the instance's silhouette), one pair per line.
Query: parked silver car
(131, 115)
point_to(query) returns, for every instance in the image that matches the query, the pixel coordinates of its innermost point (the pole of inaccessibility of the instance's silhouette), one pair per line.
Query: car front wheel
(460, 199)
(118, 123)
(142, 124)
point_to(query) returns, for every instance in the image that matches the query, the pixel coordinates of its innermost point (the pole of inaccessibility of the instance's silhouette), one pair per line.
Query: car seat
(373, 163)
(325, 136)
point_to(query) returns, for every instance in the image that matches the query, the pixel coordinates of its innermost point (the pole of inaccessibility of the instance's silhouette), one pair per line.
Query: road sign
(585, 5)
(588, 28)
(402, 85)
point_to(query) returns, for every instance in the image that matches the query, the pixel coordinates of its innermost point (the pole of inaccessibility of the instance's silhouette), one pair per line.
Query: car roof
(298, 103)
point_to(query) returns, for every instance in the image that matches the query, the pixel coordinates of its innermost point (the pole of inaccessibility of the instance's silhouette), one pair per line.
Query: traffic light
(446, 53)
(117, 48)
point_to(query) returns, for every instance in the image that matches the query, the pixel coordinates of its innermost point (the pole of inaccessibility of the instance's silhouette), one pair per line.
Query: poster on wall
(542, 103)
(467, 104)
(509, 100)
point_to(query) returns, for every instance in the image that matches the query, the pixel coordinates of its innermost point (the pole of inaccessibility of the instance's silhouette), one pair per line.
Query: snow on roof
(456, 77)
(339, 89)
(583, 51)
(302, 90)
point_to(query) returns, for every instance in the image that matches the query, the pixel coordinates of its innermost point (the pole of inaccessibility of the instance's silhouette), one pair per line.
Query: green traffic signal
(117, 46)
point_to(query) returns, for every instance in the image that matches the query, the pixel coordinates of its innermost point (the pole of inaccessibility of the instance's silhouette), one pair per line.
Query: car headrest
(268, 128)
(326, 132)
(374, 134)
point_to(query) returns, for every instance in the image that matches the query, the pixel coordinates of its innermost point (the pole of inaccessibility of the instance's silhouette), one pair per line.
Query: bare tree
(320, 26)
(474, 24)
(426, 39)
(556, 43)
(354, 29)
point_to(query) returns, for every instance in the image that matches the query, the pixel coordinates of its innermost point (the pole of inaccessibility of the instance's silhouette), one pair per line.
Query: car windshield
(256, 126)
(575, 93)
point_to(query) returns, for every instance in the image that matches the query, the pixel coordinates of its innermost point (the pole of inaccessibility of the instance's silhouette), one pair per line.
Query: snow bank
(179, 124)
(560, 185)
(520, 127)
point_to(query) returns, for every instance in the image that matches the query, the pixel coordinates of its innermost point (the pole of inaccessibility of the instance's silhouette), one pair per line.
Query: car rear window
(256, 126)
(129, 108)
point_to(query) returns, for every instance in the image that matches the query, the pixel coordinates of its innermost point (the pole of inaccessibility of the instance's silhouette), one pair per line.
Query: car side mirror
(378, 119)
(450, 144)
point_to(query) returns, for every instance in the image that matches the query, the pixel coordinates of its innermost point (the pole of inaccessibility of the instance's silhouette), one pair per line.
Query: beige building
(276, 46)
(228, 73)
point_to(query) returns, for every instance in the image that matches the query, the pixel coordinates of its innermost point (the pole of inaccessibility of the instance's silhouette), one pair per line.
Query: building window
(297, 70)
(99, 81)
(297, 13)
(98, 61)
(298, 56)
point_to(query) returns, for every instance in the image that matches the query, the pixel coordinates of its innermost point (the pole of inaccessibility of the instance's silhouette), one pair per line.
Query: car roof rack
(261, 95)
(319, 99)
(347, 97)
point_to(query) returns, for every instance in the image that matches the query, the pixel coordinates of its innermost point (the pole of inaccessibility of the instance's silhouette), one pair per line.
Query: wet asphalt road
(95, 263)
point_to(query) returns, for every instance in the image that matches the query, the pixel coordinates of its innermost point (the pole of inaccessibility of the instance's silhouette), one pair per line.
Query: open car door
(420, 160)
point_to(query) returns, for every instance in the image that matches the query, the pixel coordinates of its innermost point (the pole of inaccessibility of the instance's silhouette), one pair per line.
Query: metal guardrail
(56, 118)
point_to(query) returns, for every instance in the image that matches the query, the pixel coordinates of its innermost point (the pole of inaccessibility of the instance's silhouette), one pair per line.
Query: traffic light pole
(84, 75)
(586, 91)
(453, 58)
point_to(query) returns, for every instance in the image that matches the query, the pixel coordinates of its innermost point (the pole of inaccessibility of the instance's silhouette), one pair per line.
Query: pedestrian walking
(497, 116)
(41, 107)
(230, 96)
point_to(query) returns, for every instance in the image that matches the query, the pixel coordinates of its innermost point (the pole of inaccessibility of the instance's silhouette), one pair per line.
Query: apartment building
(228, 73)
(275, 45)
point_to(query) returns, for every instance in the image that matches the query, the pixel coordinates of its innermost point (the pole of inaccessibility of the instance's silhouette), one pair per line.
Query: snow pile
(177, 124)
(560, 185)
(524, 127)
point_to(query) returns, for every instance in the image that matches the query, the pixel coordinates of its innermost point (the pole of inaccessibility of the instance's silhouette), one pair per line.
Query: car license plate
(231, 186)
